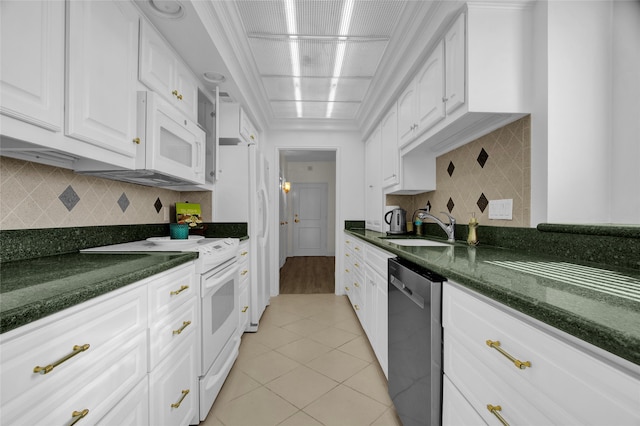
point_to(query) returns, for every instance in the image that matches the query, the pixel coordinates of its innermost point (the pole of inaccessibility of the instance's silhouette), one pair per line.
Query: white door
(310, 207)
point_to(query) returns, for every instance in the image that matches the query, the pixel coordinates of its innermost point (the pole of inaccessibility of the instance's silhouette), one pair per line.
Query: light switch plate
(501, 209)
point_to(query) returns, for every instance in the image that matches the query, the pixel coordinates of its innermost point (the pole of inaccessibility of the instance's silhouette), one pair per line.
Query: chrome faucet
(449, 229)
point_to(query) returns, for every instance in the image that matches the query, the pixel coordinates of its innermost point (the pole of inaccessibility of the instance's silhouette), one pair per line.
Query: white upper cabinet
(235, 126)
(102, 69)
(389, 132)
(454, 78)
(475, 80)
(32, 66)
(373, 191)
(162, 71)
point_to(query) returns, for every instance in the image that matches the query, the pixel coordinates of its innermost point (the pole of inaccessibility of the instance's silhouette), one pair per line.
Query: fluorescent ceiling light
(345, 23)
(292, 29)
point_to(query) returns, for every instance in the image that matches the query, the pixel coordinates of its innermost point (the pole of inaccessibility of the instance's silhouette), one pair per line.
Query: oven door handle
(215, 279)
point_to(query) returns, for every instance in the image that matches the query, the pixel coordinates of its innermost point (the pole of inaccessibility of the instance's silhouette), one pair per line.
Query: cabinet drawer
(589, 390)
(133, 410)
(172, 331)
(173, 387)
(104, 323)
(97, 388)
(377, 259)
(171, 290)
(456, 410)
(481, 387)
(354, 244)
(243, 300)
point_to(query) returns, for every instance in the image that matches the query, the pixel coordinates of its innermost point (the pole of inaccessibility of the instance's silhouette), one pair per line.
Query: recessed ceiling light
(167, 8)
(214, 77)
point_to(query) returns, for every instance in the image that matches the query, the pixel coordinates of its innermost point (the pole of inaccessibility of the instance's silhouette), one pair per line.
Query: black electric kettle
(398, 221)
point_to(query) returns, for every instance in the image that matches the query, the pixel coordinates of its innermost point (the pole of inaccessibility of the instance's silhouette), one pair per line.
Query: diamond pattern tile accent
(158, 205)
(123, 202)
(482, 158)
(69, 198)
(450, 205)
(482, 202)
(451, 168)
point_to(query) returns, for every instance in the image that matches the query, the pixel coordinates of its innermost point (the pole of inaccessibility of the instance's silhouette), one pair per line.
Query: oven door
(219, 290)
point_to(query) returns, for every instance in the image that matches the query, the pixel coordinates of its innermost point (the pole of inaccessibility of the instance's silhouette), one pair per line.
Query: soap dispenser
(472, 239)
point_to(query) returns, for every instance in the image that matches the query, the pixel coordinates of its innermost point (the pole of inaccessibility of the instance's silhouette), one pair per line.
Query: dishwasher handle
(415, 298)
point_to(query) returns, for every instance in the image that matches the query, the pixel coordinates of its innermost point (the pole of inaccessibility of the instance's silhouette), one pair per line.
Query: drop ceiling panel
(316, 89)
(341, 110)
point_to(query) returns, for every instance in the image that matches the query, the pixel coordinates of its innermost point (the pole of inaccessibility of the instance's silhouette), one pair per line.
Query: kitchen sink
(414, 242)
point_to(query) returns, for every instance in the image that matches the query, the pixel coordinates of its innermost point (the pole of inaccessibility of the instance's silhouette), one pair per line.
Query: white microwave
(170, 148)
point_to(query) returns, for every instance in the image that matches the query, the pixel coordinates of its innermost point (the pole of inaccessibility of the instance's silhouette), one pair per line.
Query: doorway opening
(307, 218)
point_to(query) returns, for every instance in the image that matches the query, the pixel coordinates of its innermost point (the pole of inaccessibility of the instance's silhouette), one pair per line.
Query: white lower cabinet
(456, 411)
(174, 387)
(94, 362)
(245, 273)
(365, 283)
(556, 383)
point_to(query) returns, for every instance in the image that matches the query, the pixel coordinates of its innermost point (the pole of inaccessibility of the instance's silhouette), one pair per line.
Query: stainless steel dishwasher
(415, 343)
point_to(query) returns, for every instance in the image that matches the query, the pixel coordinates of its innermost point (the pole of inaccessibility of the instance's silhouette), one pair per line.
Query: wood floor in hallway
(308, 275)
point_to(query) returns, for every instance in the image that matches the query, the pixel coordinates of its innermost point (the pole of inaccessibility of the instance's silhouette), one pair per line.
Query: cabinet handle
(180, 290)
(356, 265)
(356, 307)
(179, 97)
(493, 409)
(244, 253)
(76, 350)
(346, 270)
(184, 394)
(520, 364)
(357, 248)
(136, 141)
(245, 309)
(174, 92)
(252, 137)
(346, 288)
(185, 324)
(78, 415)
(243, 273)
(445, 99)
(356, 284)
(347, 254)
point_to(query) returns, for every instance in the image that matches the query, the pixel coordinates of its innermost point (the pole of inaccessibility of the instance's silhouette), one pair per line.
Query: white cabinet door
(455, 54)
(373, 180)
(164, 72)
(406, 115)
(32, 66)
(430, 90)
(390, 163)
(102, 68)
(455, 409)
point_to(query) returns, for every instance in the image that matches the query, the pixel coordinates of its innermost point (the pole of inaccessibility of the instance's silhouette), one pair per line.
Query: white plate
(168, 242)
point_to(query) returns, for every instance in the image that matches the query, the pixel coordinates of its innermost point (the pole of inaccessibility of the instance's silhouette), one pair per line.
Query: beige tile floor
(310, 363)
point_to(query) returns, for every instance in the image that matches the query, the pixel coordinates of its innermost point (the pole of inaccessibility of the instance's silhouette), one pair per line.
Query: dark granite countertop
(596, 308)
(34, 288)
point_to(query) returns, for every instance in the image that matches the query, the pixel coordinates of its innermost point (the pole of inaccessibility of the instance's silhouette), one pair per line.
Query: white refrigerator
(241, 194)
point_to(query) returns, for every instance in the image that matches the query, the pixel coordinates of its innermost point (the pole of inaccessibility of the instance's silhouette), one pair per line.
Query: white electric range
(219, 308)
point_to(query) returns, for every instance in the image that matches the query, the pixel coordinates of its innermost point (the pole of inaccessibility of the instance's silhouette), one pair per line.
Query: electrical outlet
(501, 209)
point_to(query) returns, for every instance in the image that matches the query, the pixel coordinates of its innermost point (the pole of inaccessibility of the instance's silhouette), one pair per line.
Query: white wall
(349, 175)
(585, 117)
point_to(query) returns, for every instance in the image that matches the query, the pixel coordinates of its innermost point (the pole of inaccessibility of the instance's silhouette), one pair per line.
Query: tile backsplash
(494, 167)
(33, 195)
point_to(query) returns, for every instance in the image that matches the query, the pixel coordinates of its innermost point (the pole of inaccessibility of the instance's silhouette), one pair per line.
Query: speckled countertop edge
(623, 344)
(32, 311)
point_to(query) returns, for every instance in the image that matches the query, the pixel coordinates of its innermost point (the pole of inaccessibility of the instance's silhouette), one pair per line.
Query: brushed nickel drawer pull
(184, 394)
(180, 290)
(493, 409)
(78, 415)
(76, 350)
(185, 324)
(495, 344)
